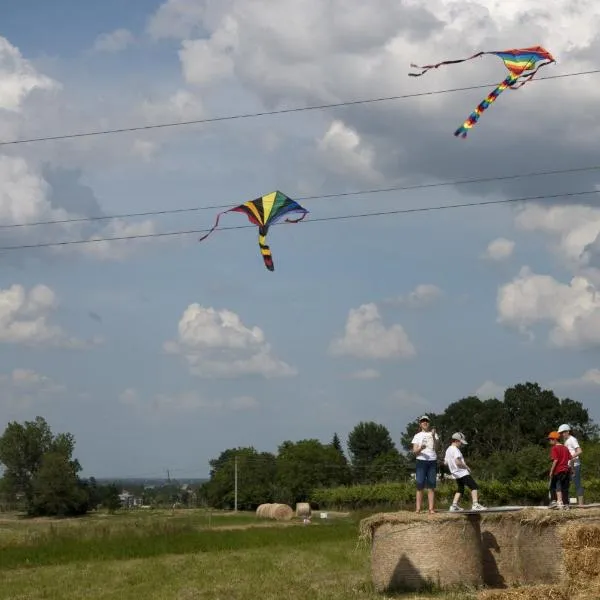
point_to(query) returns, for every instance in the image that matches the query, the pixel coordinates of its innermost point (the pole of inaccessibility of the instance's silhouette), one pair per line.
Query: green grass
(177, 556)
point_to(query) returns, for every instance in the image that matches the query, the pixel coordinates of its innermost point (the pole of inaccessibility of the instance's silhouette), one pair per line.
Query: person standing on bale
(461, 473)
(560, 472)
(423, 446)
(575, 450)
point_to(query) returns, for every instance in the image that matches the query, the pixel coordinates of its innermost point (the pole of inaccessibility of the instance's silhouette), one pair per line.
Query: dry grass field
(185, 555)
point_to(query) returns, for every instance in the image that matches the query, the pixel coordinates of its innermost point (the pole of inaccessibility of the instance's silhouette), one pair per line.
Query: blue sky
(148, 351)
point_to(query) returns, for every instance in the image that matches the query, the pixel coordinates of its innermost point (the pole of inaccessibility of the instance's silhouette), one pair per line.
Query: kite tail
(214, 226)
(264, 248)
(491, 97)
(426, 68)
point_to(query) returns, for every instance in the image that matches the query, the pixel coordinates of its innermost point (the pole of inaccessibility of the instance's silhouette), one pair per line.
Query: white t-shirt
(572, 444)
(426, 437)
(452, 454)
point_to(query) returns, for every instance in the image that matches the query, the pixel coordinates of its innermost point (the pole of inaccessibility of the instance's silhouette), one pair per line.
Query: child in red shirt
(560, 471)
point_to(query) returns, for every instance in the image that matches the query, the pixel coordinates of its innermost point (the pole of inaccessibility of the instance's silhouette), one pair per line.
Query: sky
(158, 353)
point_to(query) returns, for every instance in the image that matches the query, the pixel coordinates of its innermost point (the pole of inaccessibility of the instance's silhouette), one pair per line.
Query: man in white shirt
(461, 473)
(575, 449)
(423, 445)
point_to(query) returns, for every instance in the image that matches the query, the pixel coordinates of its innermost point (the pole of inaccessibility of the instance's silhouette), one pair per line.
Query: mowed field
(184, 555)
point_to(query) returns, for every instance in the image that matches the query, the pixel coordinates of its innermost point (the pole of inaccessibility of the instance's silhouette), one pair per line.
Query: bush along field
(397, 496)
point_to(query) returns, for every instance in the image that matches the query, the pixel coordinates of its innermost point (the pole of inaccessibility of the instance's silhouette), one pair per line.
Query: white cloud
(115, 41)
(343, 152)
(365, 374)
(18, 77)
(176, 19)
(215, 343)
(424, 294)
(145, 149)
(572, 310)
(499, 249)
(489, 389)
(25, 388)
(119, 249)
(591, 378)
(365, 336)
(25, 318)
(573, 228)
(182, 105)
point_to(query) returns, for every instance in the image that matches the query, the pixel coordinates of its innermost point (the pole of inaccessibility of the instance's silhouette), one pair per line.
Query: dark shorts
(468, 481)
(426, 471)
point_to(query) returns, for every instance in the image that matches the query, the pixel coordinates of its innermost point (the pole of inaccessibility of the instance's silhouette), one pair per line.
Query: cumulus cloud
(571, 310)
(115, 41)
(365, 336)
(217, 344)
(339, 49)
(26, 318)
(424, 294)
(499, 249)
(342, 151)
(26, 388)
(591, 378)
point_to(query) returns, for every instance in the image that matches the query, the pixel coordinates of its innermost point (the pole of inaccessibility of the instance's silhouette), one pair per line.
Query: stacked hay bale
(554, 555)
(413, 551)
(278, 512)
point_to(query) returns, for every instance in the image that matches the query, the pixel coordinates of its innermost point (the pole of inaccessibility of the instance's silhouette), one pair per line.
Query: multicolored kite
(517, 61)
(264, 212)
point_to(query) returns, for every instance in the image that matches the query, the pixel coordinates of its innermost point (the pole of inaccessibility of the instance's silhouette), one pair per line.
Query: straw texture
(443, 553)
(303, 509)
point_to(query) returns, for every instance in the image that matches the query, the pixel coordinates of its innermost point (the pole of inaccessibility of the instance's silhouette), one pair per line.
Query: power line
(278, 112)
(315, 197)
(317, 220)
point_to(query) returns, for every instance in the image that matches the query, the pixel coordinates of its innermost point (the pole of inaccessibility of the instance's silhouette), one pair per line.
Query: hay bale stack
(532, 547)
(412, 551)
(303, 509)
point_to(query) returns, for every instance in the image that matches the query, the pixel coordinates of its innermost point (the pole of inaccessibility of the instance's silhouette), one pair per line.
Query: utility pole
(235, 484)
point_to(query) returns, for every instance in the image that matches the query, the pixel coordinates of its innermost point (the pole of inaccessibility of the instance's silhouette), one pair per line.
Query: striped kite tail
(491, 97)
(264, 248)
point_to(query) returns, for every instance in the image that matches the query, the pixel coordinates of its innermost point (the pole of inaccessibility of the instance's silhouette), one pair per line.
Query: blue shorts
(425, 475)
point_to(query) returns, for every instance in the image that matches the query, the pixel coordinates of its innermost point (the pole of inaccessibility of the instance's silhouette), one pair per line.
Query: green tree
(23, 448)
(56, 489)
(256, 478)
(305, 465)
(367, 442)
(110, 499)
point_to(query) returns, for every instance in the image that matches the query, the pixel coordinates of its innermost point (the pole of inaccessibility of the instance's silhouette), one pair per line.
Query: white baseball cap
(564, 427)
(460, 437)
(424, 418)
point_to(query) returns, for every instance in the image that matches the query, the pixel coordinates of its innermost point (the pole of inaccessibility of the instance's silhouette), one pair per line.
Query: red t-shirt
(562, 455)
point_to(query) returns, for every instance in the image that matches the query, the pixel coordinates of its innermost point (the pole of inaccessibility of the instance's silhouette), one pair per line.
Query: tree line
(507, 442)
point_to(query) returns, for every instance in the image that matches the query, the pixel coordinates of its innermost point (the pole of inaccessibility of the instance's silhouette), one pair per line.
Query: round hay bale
(412, 551)
(303, 509)
(261, 511)
(282, 512)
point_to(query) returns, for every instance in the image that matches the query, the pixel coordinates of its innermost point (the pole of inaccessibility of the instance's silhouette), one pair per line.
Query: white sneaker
(456, 508)
(477, 506)
(553, 504)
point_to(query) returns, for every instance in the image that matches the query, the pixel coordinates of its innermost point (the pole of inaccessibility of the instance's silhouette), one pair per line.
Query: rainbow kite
(517, 61)
(264, 212)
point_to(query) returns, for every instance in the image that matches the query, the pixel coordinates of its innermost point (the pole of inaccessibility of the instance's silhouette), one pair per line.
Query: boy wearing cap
(423, 445)
(560, 471)
(575, 450)
(461, 473)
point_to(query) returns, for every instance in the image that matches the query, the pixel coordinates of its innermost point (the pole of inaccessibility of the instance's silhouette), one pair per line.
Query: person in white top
(423, 445)
(461, 473)
(575, 449)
